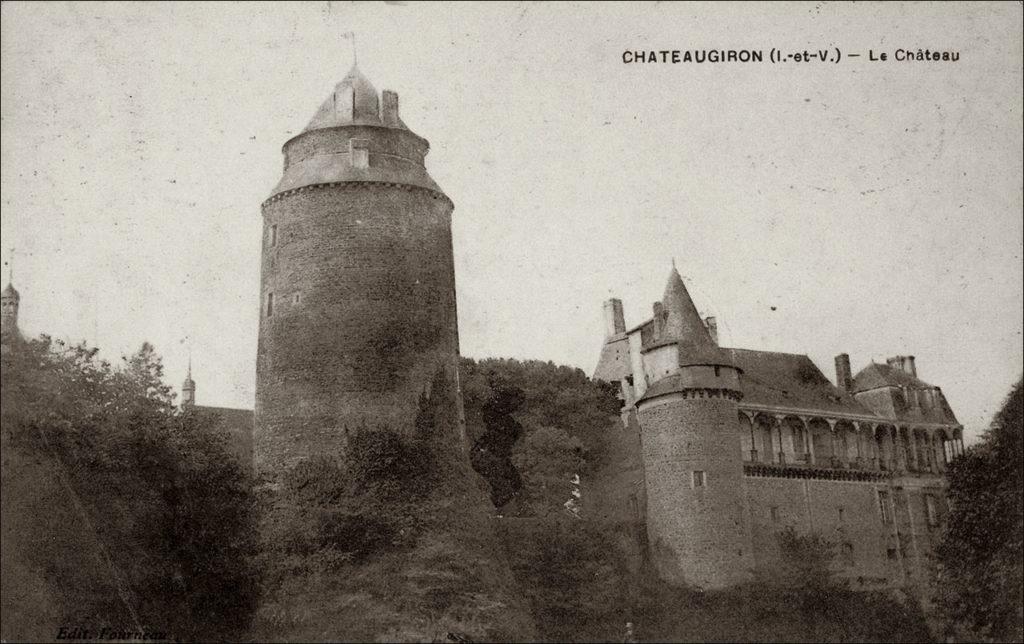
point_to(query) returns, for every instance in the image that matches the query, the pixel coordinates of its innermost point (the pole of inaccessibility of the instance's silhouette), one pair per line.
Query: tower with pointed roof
(696, 523)
(188, 388)
(10, 300)
(733, 447)
(357, 296)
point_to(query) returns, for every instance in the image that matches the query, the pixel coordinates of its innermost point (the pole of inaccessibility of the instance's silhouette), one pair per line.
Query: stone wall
(697, 535)
(845, 513)
(363, 287)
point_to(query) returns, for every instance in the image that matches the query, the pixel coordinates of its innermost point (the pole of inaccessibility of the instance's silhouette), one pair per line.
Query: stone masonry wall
(844, 512)
(363, 286)
(697, 535)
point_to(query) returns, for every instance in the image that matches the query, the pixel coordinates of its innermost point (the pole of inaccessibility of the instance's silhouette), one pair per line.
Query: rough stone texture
(871, 550)
(698, 536)
(760, 476)
(364, 314)
(615, 495)
(844, 512)
(357, 265)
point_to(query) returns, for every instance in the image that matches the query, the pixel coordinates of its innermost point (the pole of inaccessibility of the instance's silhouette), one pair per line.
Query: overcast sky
(866, 207)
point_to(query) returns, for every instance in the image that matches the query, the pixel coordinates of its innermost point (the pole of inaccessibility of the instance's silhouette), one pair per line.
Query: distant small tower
(694, 474)
(9, 301)
(188, 389)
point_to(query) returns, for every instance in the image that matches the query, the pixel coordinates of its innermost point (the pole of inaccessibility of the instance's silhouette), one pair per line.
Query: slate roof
(790, 380)
(239, 425)
(892, 392)
(613, 365)
(877, 375)
(364, 108)
(682, 321)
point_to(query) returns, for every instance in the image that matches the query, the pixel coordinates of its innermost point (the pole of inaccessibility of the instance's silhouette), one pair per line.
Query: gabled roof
(239, 425)
(790, 380)
(613, 365)
(896, 394)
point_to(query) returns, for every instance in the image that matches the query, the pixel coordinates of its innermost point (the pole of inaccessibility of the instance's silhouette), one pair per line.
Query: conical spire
(355, 101)
(682, 321)
(188, 388)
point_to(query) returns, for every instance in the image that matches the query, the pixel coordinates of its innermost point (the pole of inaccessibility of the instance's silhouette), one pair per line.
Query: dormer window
(359, 149)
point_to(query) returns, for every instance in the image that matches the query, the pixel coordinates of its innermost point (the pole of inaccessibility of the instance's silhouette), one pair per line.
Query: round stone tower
(357, 299)
(692, 462)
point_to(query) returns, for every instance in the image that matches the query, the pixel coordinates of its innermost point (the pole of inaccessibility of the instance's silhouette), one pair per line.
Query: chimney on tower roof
(389, 109)
(712, 325)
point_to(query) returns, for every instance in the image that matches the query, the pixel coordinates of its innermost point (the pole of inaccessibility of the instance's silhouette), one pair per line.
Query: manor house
(736, 445)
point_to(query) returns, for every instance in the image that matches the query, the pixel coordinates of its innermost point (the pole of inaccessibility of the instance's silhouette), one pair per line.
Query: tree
(551, 458)
(535, 425)
(124, 512)
(979, 566)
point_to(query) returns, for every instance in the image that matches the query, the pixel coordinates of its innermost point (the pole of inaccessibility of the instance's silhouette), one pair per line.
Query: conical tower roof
(10, 291)
(684, 325)
(355, 101)
(189, 383)
(682, 321)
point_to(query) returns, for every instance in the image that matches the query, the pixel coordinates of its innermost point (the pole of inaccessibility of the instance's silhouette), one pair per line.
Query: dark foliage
(390, 542)
(799, 599)
(353, 509)
(491, 455)
(980, 560)
(148, 520)
(576, 585)
(517, 411)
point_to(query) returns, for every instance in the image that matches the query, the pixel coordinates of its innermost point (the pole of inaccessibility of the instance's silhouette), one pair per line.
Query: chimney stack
(909, 366)
(712, 326)
(614, 321)
(659, 318)
(389, 108)
(844, 378)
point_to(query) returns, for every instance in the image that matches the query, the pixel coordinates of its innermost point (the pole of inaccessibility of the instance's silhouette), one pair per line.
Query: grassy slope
(50, 558)
(454, 579)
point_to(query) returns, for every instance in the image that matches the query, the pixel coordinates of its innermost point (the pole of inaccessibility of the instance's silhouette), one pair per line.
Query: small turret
(694, 473)
(9, 302)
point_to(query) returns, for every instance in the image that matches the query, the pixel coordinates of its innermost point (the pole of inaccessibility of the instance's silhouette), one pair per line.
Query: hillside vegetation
(119, 511)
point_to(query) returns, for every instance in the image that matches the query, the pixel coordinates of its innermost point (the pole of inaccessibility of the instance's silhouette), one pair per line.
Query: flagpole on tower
(351, 35)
